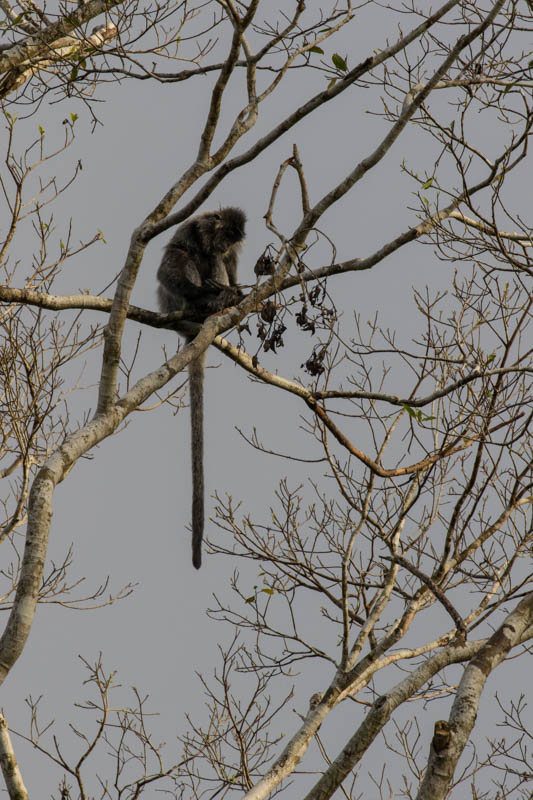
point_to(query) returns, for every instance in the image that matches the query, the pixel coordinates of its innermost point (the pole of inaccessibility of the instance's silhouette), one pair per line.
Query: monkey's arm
(226, 297)
(181, 285)
(231, 267)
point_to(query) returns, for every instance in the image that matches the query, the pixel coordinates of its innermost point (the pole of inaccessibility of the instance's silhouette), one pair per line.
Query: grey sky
(125, 508)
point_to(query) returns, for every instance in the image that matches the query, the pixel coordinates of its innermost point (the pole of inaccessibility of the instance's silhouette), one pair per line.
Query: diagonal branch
(442, 762)
(434, 589)
(38, 45)
(71, 47)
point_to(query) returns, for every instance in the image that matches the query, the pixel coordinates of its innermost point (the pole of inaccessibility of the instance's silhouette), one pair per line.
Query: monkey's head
(225, 228)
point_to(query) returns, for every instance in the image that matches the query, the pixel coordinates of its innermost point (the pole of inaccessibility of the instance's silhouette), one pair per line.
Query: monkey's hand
(211, 283)
(228, 297)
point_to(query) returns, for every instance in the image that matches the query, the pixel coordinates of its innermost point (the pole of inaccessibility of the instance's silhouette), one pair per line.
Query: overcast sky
(125, 507)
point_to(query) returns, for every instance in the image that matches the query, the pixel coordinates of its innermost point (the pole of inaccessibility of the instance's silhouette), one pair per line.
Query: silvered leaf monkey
(198, 273)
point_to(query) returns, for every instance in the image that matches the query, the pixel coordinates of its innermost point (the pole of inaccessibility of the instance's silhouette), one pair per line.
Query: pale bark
(381, 712)
(39, 44)
(442, 764)
(66, 47)
(8, 763)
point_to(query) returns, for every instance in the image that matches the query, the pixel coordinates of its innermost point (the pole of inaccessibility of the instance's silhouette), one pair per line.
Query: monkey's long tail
(196, 396)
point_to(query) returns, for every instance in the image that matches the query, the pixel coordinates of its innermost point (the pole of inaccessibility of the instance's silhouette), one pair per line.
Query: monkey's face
(226, 227)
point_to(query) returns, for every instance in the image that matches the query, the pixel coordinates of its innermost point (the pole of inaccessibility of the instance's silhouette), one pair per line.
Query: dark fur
(199, 263)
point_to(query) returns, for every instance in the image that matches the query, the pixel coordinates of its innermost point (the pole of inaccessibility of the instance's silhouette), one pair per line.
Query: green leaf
(73, 118)
(74, 73)
(101, 235)
(332, 82)
(250, 599)
(491, 358)
(316, 49)
(339, 62)
(410, 411)
(41, 130)
(427, 184)
(268, 591)
(416, 413)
